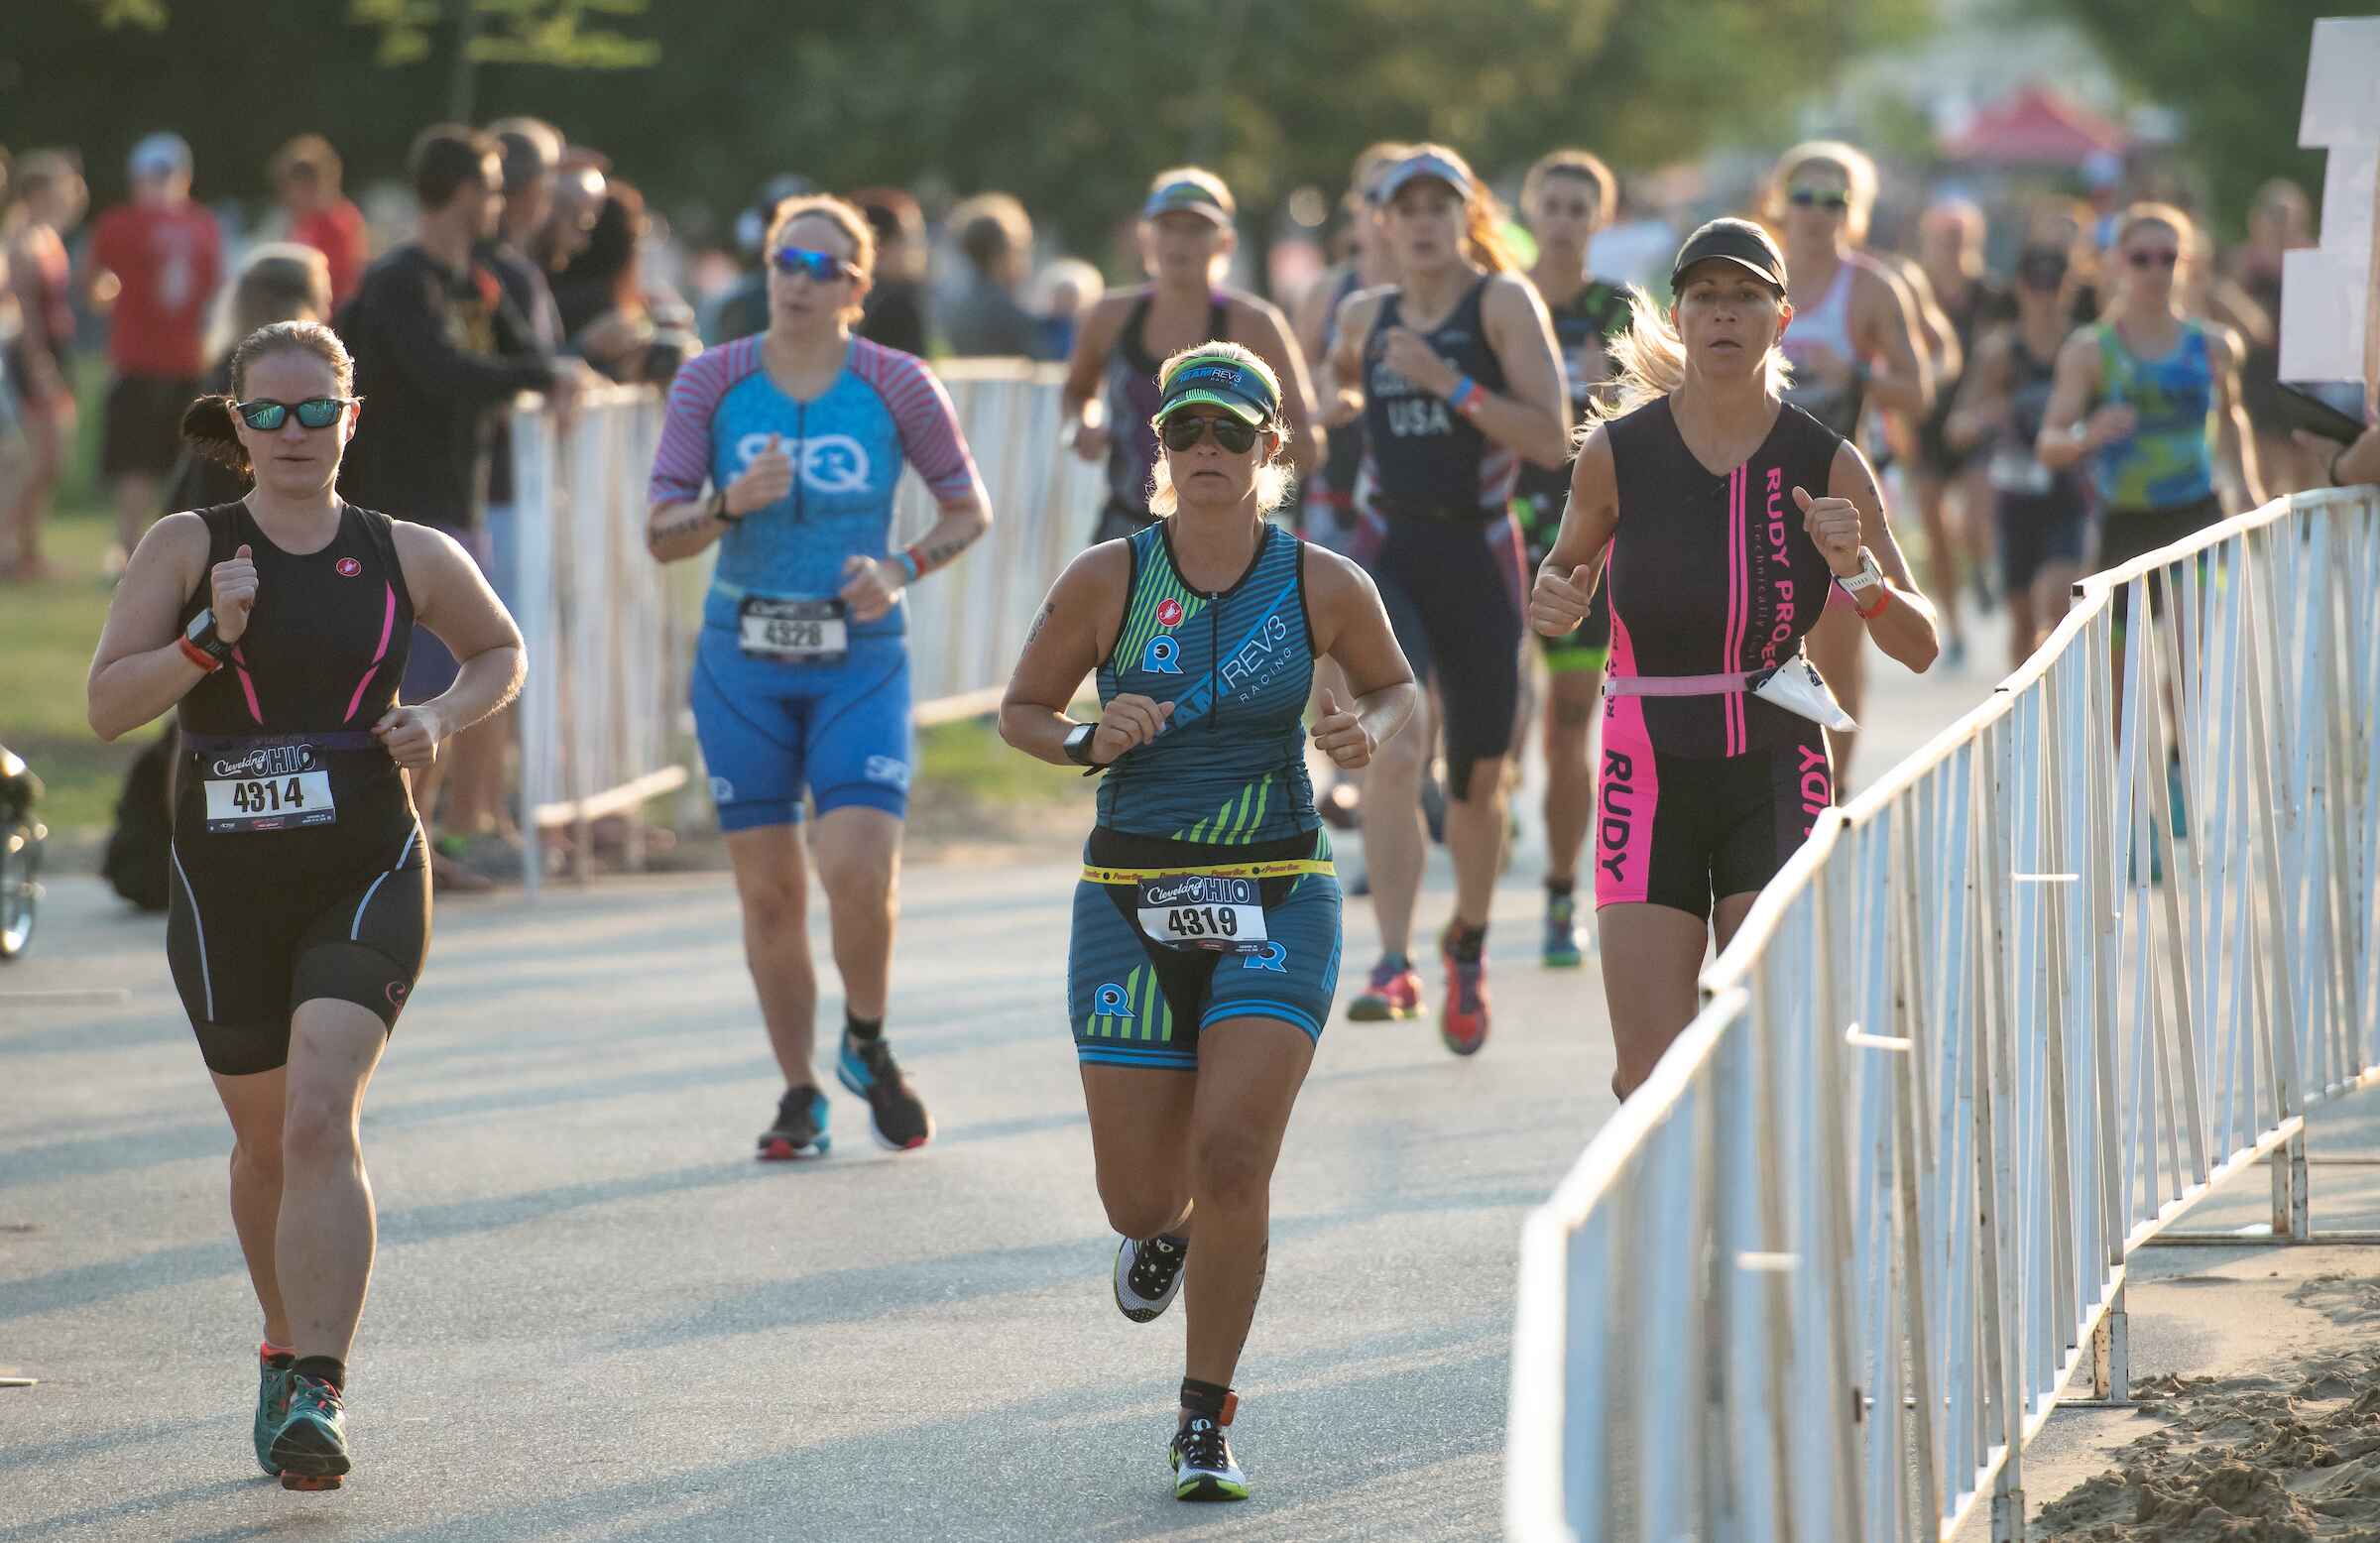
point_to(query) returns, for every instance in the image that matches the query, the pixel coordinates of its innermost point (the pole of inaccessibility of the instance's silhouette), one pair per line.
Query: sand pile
(2286, 1458)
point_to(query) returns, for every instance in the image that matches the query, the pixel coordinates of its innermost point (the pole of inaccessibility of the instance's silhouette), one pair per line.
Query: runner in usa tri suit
(1458, 381)
(1207, 922)
(2150, 400)
(1567, 198)
(1327, 498)
(1854, 341)
(2043, 517)
(801, 674)
(276, 629)
(1724, 515)
(1186, 245)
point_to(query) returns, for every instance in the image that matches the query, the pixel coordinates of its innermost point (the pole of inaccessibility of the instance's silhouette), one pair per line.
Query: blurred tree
(2235, 71)
(1070, 104)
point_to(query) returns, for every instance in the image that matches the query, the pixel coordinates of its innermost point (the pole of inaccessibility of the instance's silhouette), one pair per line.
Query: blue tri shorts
(771, 731)
(1137, 1003)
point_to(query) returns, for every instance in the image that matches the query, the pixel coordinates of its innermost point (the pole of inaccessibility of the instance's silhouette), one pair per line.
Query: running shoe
(1394, 992)
(310, 1445)
(895, 1114)
(1148, 1274)
(1203, 1468)
(1465, 1025)
(799, 1129)
(272, 1400)
(1562, 951)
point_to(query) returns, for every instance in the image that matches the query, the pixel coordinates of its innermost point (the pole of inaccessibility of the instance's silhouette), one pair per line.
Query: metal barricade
(2007, 1015)
(604, 719)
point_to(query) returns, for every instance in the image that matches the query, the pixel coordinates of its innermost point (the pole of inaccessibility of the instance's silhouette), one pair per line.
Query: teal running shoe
(272, 1396)
(310, 1446)
(799, 1129)
(1562, 950)
(897, 1116)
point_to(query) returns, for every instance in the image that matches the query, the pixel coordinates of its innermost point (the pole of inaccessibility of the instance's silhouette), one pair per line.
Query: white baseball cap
(160, 155)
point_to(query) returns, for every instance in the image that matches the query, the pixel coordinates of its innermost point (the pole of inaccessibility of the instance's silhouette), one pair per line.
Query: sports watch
(202, 646)
(1078, 744)
(1867, 578)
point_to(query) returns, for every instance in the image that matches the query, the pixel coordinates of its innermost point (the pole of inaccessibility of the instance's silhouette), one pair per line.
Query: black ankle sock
(1465, 942)
(1205, 1398)
(864, 1030)
(323, 1368)
(1561, 889)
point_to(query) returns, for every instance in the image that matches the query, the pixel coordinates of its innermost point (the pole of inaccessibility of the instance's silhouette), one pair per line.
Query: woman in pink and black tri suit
(1724, 517)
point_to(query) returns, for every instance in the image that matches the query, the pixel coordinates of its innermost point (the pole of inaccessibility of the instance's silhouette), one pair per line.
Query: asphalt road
(595, 1317)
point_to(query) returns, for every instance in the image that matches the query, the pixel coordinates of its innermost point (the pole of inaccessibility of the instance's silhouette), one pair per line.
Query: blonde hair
(2185, 230)
(1649, 362)
(846, 218)
(1859, 181)
(1272, 476)
(277, 282)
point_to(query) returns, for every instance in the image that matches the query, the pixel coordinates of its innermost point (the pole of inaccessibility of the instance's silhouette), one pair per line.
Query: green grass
(47, 634)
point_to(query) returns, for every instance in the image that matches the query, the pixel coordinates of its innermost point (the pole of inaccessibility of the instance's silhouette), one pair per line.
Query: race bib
(1204, 912)
(794, 632)
(285, 802)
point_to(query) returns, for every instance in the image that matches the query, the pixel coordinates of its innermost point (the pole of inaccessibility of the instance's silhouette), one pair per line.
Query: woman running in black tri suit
(1186, 244)
(1726, 516)
(277, 628)
(1458, 381)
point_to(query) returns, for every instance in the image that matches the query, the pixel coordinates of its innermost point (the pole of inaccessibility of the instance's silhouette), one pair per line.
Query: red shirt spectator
(167, 258)
(306, 173)
(337, 232)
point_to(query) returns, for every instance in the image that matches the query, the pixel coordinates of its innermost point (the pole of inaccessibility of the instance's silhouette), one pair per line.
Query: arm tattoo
(684, 524)
(1035, 630)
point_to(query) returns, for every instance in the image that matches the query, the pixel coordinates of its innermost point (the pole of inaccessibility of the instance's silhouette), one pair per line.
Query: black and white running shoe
(1148, 1274)
(1203, 1468)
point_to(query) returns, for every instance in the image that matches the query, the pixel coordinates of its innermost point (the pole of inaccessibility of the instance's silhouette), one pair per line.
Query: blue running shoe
(1562, 951)
(799, 1129)
(272, 1399)
(895, 1114)
(310, 1446)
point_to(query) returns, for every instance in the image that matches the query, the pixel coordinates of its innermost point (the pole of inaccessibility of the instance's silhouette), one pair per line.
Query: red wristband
(919, 566)
(1883, 599)
(198, 656)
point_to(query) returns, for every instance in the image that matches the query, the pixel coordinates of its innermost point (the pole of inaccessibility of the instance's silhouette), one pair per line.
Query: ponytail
(206, 426)
(1484, 233)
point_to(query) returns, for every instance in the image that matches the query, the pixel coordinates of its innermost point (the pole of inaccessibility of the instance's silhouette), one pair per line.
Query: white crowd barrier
(2005, 1016)
(604, 720)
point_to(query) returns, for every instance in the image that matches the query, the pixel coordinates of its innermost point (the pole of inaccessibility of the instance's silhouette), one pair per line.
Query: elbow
(1552, 452)
(1012, 724)
(109, 731)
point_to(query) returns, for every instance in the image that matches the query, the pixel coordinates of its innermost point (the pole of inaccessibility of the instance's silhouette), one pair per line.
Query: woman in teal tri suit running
(1206, 925)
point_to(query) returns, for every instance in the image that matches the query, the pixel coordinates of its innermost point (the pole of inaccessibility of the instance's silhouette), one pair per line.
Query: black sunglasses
(2039, 269)
(818, 266)
(1807, 198)
(2164, 258)
(1183, 431)
(265, 414)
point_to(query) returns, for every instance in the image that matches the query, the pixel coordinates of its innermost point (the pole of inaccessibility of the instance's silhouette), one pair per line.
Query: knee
(773, 905)
(256, 1155)
(317, 1134)
(1139, 1207)
(860, 878)
(1401, 757)
(1229, 1168)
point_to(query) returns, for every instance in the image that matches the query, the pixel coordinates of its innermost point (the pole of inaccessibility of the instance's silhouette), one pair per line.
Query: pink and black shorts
(1684, 831)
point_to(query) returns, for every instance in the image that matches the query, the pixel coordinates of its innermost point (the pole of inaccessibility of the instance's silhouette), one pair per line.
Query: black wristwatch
(201, 636)
(1078, 744)
(719, 510)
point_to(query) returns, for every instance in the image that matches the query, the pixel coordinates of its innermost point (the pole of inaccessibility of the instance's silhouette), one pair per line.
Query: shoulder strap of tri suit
(381, 531)
(223, 532)
(1131, 343)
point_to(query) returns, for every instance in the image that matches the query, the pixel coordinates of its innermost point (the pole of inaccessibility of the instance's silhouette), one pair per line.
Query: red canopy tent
(2038, 126)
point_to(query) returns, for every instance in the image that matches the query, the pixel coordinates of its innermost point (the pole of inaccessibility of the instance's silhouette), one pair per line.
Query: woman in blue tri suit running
(276, 628)
(802, 676)
(1206, 925)
(1456, 376)
(1186, 243)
